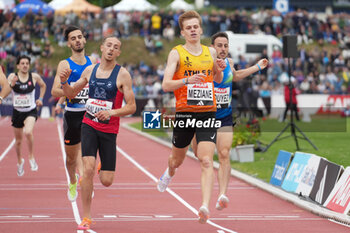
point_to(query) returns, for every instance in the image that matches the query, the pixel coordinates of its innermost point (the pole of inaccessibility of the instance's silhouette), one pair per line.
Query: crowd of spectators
(324, 70)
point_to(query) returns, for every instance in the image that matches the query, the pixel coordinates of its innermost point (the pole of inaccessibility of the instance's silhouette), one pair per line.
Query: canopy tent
(58, 4)
(7, 4)
(132, 5)
(35, 5)
(180, 5)
(78, 7)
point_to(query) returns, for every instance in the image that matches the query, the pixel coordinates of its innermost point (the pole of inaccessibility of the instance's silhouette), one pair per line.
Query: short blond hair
(189, 15)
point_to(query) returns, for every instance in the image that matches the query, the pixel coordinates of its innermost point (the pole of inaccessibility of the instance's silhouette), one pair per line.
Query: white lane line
(7, 149)
(64, 156)
(182, 201)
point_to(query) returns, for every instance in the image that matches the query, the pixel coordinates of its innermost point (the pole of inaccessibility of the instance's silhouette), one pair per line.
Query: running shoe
(20, 170)
(222, 202)
(164, 181)
(203, 214)
(33, 165)
(72, 192)
(85, 224)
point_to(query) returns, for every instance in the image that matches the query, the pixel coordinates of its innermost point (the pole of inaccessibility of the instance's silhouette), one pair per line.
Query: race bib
(200, 94)
(222, 96)
(22, 100)
(93, 106)
(82, 96)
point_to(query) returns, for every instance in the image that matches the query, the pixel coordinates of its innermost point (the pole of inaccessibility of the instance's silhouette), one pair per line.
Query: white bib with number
(22, 100)
(83, 94)
(93, 106)
(200, 92)
(222, 95)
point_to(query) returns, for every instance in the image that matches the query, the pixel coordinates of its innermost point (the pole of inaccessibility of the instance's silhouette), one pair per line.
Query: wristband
(183, 80)
(62, 83)
(41, 99)
(1, 98)
(259, 68)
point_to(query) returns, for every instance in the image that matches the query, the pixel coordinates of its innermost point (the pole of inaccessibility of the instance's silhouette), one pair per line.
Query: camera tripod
(291, 124)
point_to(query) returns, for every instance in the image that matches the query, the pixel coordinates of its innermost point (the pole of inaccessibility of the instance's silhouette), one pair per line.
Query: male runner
(223, 93)
(190, 71)
(5, 87)
(25, 108)
(108, 84)
(75, 106)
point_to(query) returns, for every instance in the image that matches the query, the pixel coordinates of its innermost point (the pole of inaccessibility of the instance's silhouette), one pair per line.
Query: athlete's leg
(72, 152)
(87, 184)
(29, 123)
(19, 137)
(176, 159)
(223, 144)
(205, 153)
(106, 177)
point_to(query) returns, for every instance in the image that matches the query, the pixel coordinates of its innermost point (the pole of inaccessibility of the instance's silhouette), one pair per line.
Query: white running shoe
(33, 165)
(164, 181)
(222, 202)
(203, 214)
(20, 170)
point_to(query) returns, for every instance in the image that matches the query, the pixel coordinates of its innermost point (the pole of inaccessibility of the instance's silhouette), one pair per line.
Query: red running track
(37, 202)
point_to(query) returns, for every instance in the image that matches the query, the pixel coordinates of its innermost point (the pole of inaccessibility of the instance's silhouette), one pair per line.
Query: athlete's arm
(5, 88)
(124, 85)
(56, 90)
(241, 74)
(171, 85)
(219, 66)
(37, 79)
(70, 91)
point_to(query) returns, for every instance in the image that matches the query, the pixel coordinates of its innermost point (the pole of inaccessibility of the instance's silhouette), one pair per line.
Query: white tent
(132, 5)
(7, 4)
(180, 5)
(58, 4)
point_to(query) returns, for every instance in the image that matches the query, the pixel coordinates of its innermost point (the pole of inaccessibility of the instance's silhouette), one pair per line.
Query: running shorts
(93, 140)
(72, 127)
(187, 124)
(18, 117)
(227, 121)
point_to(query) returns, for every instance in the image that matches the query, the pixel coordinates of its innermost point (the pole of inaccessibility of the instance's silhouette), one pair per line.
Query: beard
(78, 50)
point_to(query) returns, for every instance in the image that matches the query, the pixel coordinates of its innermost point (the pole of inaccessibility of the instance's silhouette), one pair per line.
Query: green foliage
(246, 133)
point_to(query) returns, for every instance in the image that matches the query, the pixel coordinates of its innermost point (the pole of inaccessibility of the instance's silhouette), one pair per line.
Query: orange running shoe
(85, 224)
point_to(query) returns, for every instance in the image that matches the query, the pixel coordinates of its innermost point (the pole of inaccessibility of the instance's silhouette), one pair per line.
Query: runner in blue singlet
(223, 93)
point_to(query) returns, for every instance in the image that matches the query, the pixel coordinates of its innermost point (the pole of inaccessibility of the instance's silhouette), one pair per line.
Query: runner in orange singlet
(190, 72)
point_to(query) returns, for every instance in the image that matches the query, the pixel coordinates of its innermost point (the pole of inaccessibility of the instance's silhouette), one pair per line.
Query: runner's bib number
(200, 94)
(222, 96)
(94, 106)
(82, 96)
(22, 100)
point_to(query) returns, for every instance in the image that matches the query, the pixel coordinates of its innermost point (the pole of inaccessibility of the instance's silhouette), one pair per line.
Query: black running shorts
(72, 127)
(187, 124)
(18, 117)
(93, 140)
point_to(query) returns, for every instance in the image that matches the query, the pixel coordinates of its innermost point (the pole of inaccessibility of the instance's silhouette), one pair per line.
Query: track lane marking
(64, 156)
(7, 149)
(175, 195)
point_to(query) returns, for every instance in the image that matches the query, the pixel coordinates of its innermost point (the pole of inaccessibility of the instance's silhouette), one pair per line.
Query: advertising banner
(295, 171)
(327, 175)
(307, 178)
(339, 199)
(281, 167)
